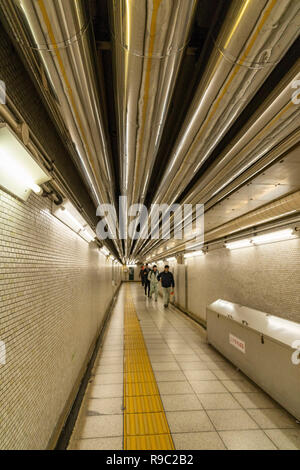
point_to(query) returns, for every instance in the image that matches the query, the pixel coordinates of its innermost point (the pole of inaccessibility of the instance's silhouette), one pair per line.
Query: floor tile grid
(155, 330)
(244, 379)
(163, 312)
(251, 412)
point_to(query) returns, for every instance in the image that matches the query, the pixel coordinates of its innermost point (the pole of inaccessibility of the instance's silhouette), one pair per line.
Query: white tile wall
(266, 277)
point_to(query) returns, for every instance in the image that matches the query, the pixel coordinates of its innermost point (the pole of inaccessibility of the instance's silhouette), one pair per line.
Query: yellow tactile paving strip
(145, 422)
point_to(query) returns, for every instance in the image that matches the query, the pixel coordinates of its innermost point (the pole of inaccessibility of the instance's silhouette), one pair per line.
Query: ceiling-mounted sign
(237, 343)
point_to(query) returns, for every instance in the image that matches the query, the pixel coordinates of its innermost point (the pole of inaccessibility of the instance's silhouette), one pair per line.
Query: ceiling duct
(271, 211)
(254, 38)
(58, 33)
(273, 123)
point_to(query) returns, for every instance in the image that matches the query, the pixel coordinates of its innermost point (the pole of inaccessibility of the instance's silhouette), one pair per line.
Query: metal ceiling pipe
(274, 125)
(282, 150)
(270, 125)
(255, 36)
(149, 41)
(58, 33)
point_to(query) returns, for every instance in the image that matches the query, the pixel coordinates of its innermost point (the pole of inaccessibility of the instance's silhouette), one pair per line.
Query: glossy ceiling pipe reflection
(273, 127)
(267, 213)
(149, 41)
(254, 38)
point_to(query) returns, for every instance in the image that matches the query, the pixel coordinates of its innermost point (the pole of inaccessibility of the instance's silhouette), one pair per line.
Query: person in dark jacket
(146, 282)
(167, 283)
(142, 275)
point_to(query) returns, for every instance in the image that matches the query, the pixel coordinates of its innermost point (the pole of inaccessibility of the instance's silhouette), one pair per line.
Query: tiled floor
(208, 404)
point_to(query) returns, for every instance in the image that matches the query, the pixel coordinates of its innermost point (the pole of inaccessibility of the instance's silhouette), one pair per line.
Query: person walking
(153, 279)
(168, 284)
(146, 282)
(142, 275)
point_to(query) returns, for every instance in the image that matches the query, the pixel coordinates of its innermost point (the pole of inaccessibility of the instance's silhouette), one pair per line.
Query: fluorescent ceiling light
(193, 253)
(171, 259)
(65, 216)
(70, 216)
(19, 172)
(273, 236)
(281, 324)
(239, 244)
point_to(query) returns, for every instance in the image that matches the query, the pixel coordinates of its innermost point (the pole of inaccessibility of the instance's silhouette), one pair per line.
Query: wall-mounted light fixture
(278, 235)
(70, 216)
(19, 172)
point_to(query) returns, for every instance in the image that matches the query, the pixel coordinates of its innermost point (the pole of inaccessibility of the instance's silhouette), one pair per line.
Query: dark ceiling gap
(100, 17)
